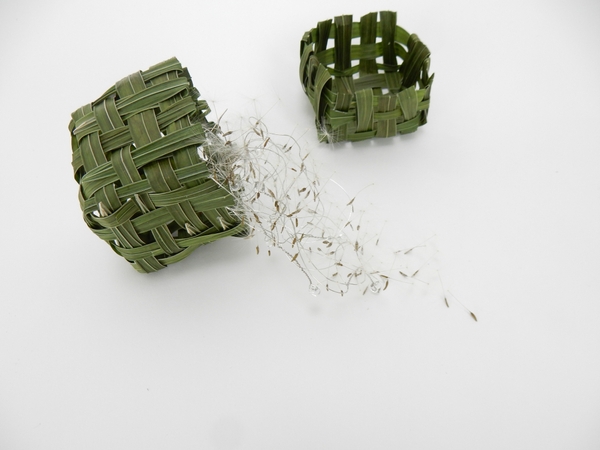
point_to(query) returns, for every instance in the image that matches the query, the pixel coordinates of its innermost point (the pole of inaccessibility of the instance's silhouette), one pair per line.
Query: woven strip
(372, 82)
(143, 187)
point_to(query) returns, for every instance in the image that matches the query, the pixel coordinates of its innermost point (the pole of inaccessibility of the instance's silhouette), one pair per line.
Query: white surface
(506, 174)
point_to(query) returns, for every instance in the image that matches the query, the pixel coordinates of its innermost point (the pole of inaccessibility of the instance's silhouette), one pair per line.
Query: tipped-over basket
(144, 189)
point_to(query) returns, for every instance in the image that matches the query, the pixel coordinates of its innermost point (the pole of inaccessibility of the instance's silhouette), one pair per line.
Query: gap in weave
(313, 75)
(201, 153)
(174, 229)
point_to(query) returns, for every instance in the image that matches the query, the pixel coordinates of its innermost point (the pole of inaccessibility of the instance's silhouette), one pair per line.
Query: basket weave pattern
(144, 189)
(373, 81)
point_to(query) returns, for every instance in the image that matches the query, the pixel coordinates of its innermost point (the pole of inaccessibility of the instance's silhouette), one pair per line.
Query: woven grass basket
(373, 81)
(144, 189)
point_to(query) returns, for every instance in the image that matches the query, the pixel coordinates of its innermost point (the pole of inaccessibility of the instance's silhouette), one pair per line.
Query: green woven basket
(144, 189)
(373, 81)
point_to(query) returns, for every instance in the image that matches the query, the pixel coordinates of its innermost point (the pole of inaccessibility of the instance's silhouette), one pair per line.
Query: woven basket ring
(144, 189)
(373, 82)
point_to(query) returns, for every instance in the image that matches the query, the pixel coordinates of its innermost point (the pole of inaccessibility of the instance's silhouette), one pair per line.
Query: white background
(227, 350)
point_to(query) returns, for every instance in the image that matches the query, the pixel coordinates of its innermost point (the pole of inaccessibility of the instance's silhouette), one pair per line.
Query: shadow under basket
(144, 189)
(373, 81)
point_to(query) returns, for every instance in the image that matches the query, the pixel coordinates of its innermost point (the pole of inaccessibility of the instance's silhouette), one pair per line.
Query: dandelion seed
(465, 308)
(104, 211)
(140, 203)
(191, 230)
(443, 290)
(224, 224)
(375, 287)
